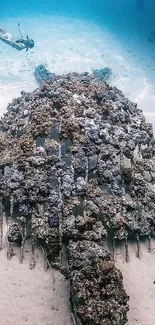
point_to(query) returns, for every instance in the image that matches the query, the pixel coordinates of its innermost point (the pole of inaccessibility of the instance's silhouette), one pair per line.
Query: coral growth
(77, 164)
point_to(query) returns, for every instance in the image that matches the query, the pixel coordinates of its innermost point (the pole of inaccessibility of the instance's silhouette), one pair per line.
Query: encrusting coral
(77, 163)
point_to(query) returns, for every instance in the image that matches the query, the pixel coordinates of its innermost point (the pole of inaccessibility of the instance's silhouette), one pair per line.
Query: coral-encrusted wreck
(77, 166)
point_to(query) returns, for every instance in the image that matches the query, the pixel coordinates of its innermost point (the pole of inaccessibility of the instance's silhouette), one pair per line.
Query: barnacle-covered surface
(97, 293)
(77, 165)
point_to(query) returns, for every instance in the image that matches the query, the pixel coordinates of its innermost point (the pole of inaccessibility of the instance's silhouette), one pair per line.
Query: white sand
(72, 45)
(67, 44)
(139, 275)
(31, 297)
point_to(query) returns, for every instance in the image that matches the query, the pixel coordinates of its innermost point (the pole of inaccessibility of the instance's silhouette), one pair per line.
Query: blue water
(129, 24)
(120, 15)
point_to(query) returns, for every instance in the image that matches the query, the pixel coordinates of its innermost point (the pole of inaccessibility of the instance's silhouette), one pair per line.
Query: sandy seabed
(139, 277)
(64, 44)
(31, 297)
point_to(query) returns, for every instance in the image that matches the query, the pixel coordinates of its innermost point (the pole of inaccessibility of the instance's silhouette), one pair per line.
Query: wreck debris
(113, 246)
(91, 268)
(14, 236)
(102, 74)
(42, 74)
(78, 164)
(138, 245)
(23, 234)
(32, 262)
(149, 243)
(1, 224)
(11, 207)
(126, 249)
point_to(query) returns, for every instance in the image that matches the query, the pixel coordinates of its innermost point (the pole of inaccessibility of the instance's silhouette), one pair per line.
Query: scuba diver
(19, 44)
